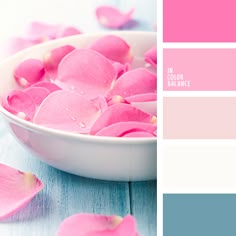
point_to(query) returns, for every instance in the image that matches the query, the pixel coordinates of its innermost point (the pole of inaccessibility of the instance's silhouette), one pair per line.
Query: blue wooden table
(66, 194)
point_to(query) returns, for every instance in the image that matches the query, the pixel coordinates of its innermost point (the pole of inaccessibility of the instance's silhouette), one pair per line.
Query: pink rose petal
(38, 94)
(148, 106)
(29, 71)
(97, 225)
(133, 82)
(122, 128)
(16, 190)
(120, 68)
(67, 111)
(53, 58)
(146, 102)
(111, 17)
(68, 31)
(19, 103)
(143, 97)
(37, 30)
(150, 56)
(116, 99)
(114, 48)
(16, 44)
(48, 85)
(87, 72)
(121, 112)
(136, 134)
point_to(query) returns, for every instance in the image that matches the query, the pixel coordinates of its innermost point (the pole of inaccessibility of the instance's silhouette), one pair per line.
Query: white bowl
(121, 159)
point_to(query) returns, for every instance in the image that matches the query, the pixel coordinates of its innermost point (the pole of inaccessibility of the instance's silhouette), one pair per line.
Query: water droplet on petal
(21, 115)
(82, 125)
(73, 118)
(23, 82)
(72, 87)
(67, 109)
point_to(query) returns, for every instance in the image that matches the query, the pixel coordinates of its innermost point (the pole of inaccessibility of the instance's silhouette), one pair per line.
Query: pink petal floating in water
(38, 94)
(97, 225)
(150, 56)
(120, 129)
(67, 111)
(143, 97)
(120, 68)
(114, 48)
(48, 85)
(16, 190)
(133, 82)
(121, 112)
(146, 102)
(111, 17)
(54, 57)
(29, 72)
(19, 103)
(136, 134)
(116, 99)
(87, 72)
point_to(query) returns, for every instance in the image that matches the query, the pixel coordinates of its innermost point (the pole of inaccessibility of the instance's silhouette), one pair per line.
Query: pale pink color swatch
(199, 21)
(202, 69)
(199, 117)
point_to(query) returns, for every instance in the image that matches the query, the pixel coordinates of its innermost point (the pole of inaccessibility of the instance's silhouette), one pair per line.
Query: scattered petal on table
(87, 72)
(133, 82)
(16, 190)
(121, 112)
(38, 94)
(16, 44)
(19, 103)
(48, 85)
(151, 56)
(29, 72)
(53, 58)
(97, 225)
(68, 31)
(121, 129)
(112, 17)
(114, 48)
(67, 111)
(42, 31)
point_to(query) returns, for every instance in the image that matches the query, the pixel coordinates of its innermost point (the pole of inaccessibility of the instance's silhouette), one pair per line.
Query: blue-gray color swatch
(199, 215)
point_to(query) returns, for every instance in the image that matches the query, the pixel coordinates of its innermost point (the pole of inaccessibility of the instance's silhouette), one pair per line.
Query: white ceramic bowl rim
(50, 131)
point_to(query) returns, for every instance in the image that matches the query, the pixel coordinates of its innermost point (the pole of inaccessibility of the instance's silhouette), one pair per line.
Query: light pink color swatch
(199, 117)
(199, 69)
(199, 21)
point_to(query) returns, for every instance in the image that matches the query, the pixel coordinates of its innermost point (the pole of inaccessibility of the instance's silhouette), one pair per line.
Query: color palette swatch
(199, 117)
(199, 214)
(199, 69)
(199, 21)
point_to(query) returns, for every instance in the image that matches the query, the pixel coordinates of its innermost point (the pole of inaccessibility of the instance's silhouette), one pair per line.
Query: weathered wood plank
(144, 206)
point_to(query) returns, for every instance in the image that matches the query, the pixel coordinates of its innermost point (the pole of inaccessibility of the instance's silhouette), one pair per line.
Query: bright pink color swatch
(199, 21)
(199, 117)
(199, 69)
